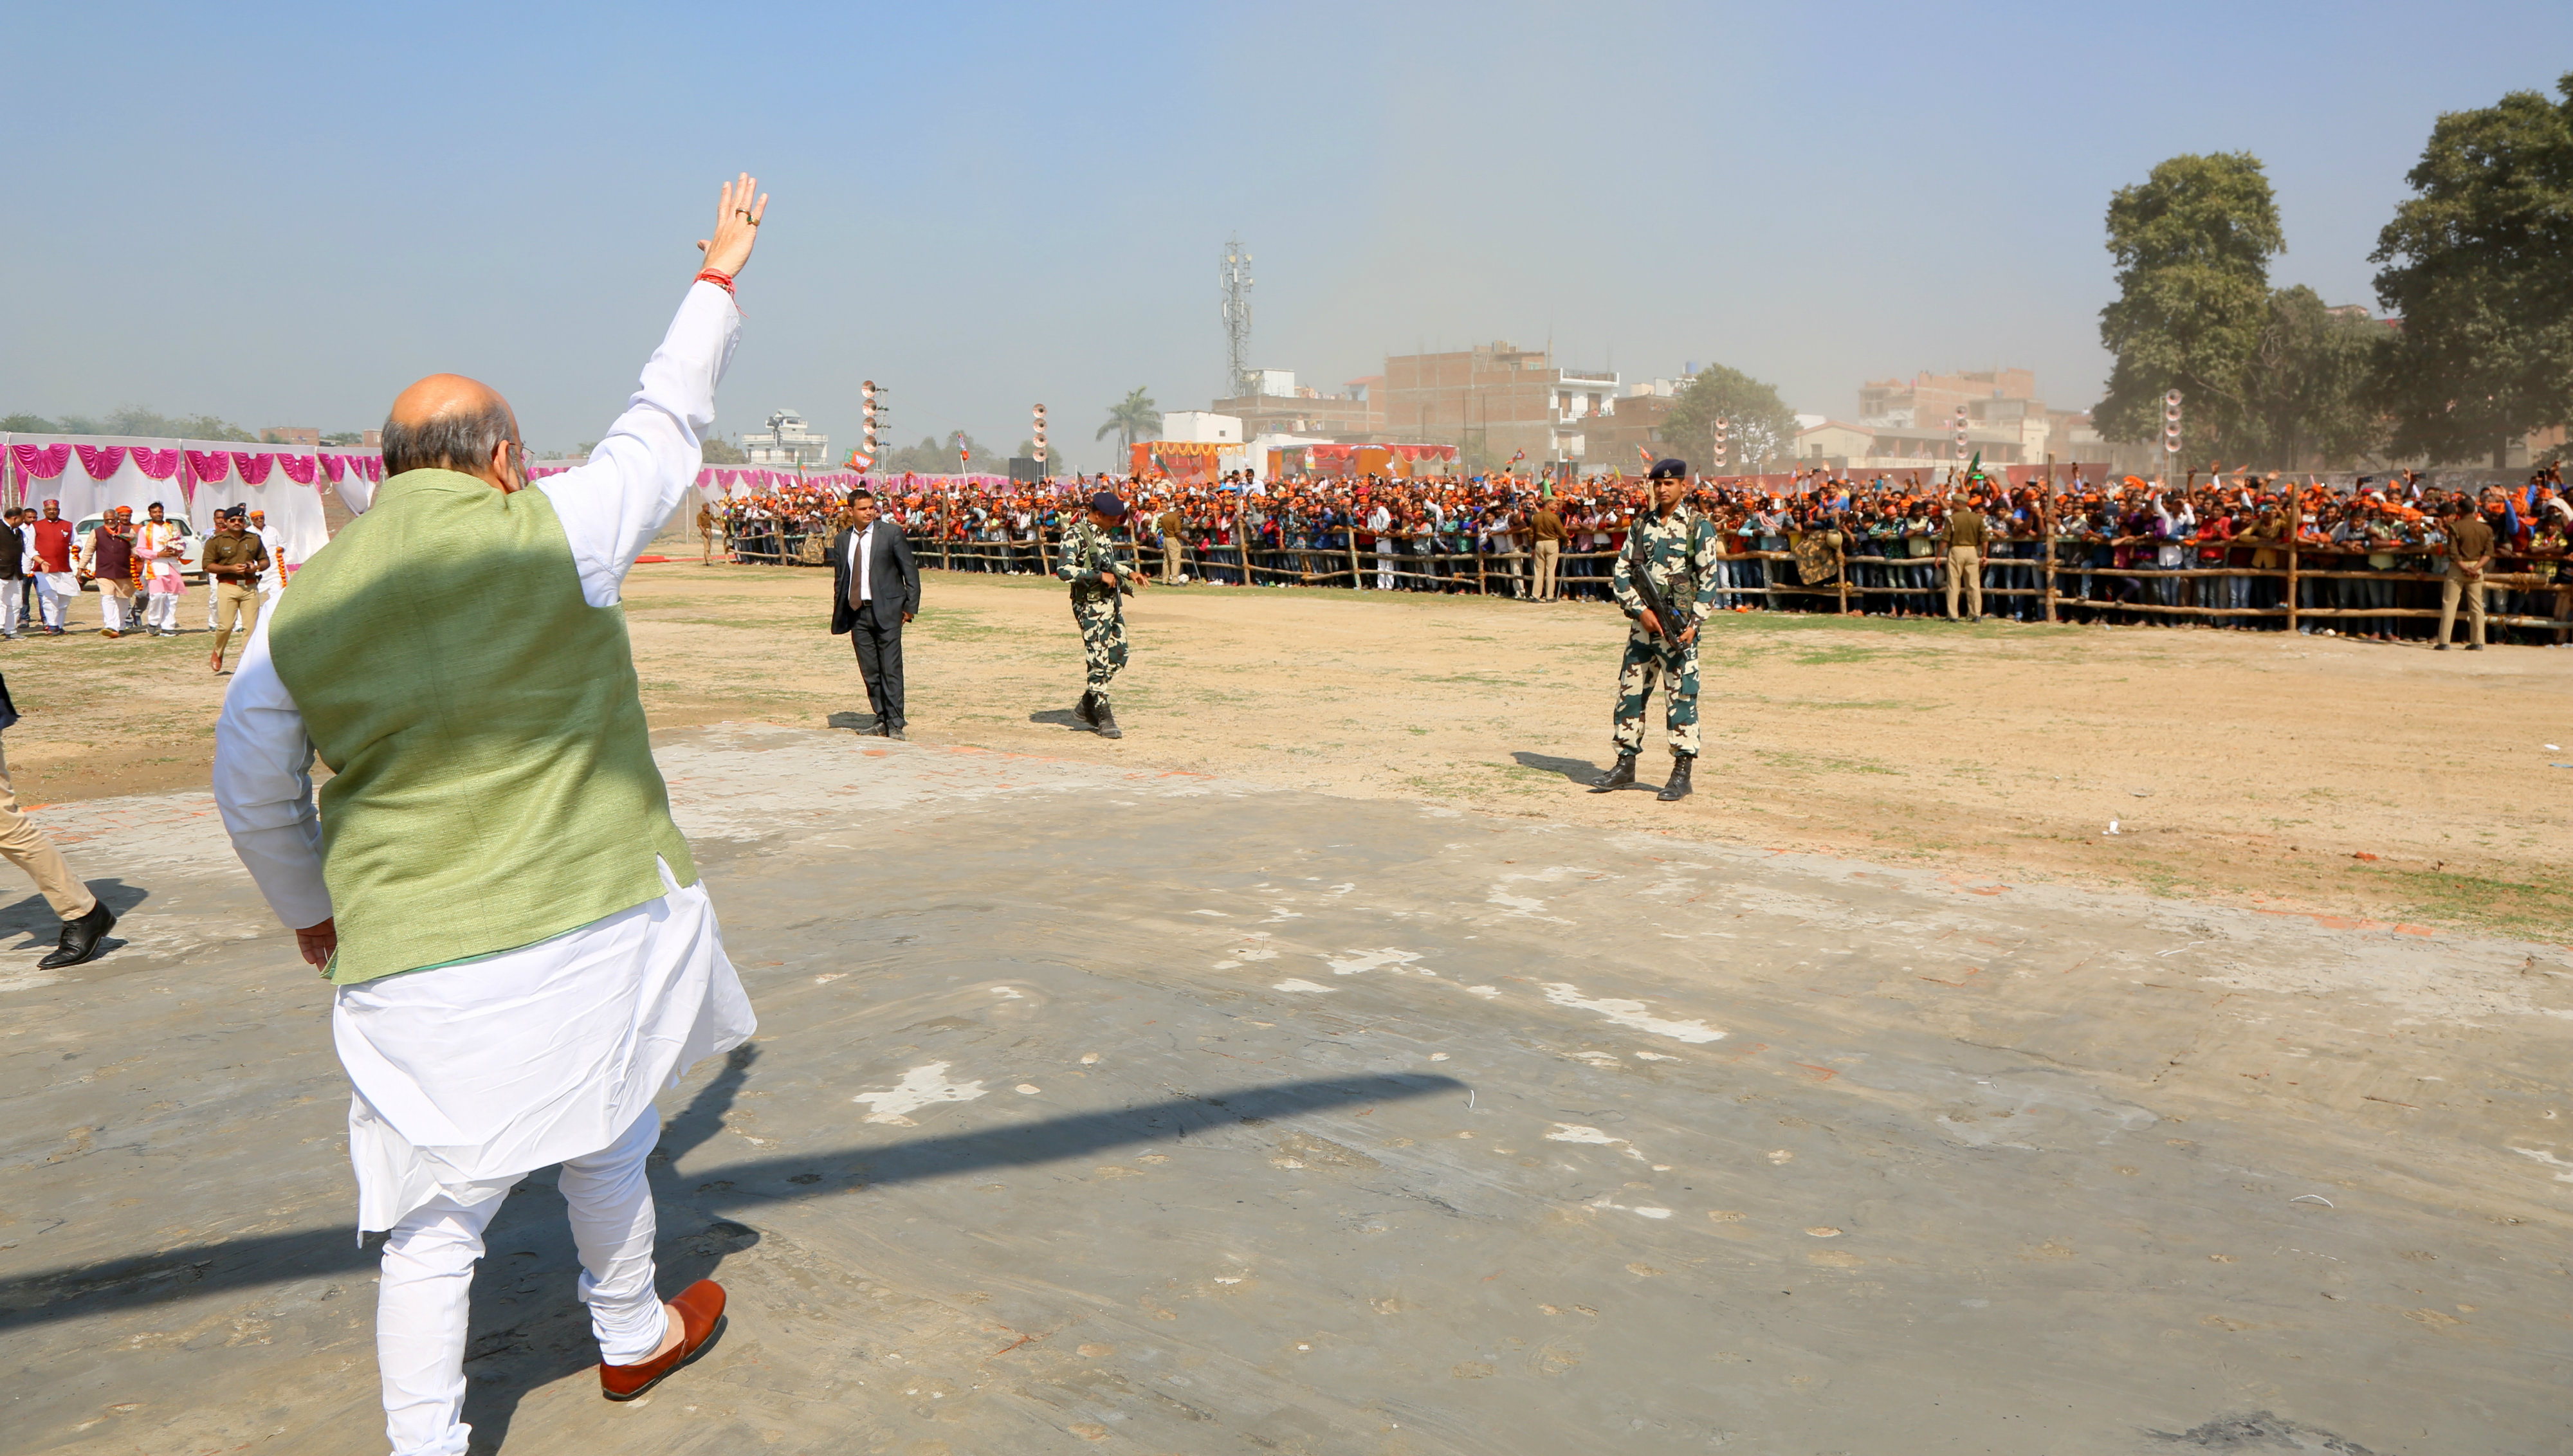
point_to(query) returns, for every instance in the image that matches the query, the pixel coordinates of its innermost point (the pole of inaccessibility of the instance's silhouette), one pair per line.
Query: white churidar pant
(422, 1305)
(55, 591)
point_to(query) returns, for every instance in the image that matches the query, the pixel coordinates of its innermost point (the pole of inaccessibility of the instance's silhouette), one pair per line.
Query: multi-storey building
(1279, 405)
(1495, 401)
(1912, 425)
(786, 441)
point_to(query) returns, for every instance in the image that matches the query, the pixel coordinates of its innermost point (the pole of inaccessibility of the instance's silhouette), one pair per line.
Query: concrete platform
(1107, 1111)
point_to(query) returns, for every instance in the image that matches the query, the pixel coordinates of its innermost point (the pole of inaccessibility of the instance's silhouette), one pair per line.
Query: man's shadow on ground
(862, 722)
(1060, 718)
(1573, 770)
(528, 1329)
(31, 924)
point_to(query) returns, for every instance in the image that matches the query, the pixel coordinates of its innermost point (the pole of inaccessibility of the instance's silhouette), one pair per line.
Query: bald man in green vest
(520, 949)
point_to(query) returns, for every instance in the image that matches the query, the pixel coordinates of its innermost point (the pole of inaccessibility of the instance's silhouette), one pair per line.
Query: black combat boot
(1678, 788)
(1106, 718)
(1620, 775)
(1087, 709)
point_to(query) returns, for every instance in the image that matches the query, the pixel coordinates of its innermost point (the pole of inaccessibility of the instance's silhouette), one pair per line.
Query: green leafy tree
(935, 457)
(725, 452)
(1762, 429)
(2193, 244)
(2479, 265)
(133, 419)
(1132, 418)
(2310, 398)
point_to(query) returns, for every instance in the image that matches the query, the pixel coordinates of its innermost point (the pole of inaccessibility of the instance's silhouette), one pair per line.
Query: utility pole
(1234, 275)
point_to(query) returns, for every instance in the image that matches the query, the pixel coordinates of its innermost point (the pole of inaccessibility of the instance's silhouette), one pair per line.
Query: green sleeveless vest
(492, 785)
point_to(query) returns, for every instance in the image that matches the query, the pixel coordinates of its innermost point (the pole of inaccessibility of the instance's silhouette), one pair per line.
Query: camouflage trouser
(1102, 642)
(1648, 658)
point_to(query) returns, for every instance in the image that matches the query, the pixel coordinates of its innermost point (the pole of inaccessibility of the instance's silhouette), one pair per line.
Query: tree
(934, 456)
(2193, 245)
(2310, 396)
(1132, 418)
(720, 451)
(2479, 265)
(1762, 429)
(133, 419)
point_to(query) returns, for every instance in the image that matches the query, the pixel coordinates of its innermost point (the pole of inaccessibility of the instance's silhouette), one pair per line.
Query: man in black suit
(875, 589)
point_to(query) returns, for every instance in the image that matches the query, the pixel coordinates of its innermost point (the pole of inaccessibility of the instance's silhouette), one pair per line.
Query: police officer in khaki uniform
(2470, 550)
(1964, 534)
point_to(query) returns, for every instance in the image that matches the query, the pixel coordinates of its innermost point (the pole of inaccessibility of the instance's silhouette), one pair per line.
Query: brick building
(1279, 405)
(1497, 399)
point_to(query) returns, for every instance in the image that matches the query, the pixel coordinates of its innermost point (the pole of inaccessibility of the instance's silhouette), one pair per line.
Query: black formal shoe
(1087, 709)
(2440, 647)
(1620, 775)
(1102, 715)
(1678, 788)
(896, 734)
(80, 938)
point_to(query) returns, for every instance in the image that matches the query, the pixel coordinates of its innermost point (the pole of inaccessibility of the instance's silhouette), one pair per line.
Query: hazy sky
(282, 214)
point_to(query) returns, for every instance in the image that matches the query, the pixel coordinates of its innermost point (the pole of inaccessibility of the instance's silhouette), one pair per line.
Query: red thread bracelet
(722, 281)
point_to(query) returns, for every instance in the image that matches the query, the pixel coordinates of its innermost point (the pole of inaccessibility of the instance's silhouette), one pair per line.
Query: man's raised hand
(736, 225)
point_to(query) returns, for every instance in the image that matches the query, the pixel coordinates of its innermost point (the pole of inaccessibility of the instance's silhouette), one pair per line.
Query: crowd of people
(138, 569)
(2369, 560)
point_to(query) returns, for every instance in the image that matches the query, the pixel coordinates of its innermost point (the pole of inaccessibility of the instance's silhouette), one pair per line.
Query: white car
(190, 545)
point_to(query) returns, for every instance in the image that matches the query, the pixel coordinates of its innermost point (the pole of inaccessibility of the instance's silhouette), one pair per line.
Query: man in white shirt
(272, 580)
(1380, 523)
(875, 589)
(523, 953)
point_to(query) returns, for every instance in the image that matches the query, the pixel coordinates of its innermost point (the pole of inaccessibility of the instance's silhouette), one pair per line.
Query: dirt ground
(2307, 774)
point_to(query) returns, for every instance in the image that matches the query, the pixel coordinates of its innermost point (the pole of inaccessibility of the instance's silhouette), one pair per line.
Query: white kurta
(472, 1074)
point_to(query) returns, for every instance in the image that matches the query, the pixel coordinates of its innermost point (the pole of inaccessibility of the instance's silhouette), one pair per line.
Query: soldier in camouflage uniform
(1674, 546)
(1099, 581)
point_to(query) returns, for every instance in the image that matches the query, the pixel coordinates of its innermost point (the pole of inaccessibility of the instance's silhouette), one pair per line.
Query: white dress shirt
(861, 565)
(470, 1074)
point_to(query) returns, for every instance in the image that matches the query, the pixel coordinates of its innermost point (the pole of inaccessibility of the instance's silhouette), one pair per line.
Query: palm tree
(1133, 417)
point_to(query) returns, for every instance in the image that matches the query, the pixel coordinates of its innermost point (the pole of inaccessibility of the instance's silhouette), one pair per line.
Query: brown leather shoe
(700, 1309)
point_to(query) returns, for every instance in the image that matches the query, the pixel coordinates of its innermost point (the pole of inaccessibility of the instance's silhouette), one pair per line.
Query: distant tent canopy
(1185, 461)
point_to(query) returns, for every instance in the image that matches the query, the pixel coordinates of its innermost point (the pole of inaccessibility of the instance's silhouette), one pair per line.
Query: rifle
(1645, 592)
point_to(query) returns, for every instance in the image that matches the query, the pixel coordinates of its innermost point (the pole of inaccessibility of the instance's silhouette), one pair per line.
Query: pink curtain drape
(254, 469)
(209, 468)
(41, 462)
(101, 462)
(158, 464)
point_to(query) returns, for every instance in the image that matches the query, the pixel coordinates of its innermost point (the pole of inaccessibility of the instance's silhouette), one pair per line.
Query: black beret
(1667, 469)
(1106, 504)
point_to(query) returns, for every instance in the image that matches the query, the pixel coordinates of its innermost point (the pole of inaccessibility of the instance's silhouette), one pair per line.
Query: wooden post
(1357, 582)
(1481, 586)
(1840, 552)
(2046, 536)
(2295, 528)
(946, 520)
(1241, 550)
